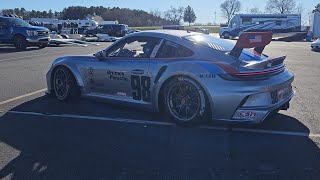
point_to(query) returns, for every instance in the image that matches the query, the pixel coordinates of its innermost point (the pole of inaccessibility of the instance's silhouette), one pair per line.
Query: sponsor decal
(255, 38)
(209, 76)
(115, 75)
(121, 94)
(248, 114)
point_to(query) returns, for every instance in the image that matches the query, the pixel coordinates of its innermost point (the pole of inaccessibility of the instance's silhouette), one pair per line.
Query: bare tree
(254, 10)
(229, 8)
(155, 12)
(281, 6)
(299, 9)
(316, 8)
(174, 14)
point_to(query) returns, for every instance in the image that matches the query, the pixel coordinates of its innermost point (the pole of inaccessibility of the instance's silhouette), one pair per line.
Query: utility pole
(215, 17)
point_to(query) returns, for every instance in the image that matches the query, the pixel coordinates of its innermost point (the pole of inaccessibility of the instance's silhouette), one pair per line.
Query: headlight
(32, 33)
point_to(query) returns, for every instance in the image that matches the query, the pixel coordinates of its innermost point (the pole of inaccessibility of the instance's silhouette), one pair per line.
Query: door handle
(137, 71)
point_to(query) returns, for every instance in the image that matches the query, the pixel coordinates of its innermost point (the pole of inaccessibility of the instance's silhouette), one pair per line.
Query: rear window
(211, 42)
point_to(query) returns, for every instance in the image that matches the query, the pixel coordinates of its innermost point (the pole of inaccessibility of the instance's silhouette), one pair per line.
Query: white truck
(277, 23)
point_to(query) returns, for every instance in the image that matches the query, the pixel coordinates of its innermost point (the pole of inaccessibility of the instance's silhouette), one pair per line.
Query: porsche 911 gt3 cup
(189, 76)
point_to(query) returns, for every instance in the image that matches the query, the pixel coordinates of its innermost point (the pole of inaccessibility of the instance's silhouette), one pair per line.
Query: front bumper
(315, 46)
(38, 40)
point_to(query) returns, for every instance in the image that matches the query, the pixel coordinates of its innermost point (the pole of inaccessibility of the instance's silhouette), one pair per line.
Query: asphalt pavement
(42, 138)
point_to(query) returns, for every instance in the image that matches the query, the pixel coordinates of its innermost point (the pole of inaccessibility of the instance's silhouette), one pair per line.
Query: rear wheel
(185, 101)
(64, 84)
(20, 42)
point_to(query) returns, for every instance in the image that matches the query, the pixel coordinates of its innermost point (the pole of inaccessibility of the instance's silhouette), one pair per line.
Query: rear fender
(190, 70)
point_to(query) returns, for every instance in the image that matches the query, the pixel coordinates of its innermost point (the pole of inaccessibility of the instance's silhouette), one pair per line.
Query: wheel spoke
(184, 101)
(186, 112)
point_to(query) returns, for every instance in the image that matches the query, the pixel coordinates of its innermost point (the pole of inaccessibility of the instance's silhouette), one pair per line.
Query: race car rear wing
(256, 40)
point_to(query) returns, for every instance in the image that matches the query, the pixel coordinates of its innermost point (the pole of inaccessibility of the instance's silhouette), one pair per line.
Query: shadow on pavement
(66, 148)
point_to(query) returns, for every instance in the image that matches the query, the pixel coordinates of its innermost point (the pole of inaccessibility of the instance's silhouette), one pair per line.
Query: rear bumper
(247, 101)
(257, 115)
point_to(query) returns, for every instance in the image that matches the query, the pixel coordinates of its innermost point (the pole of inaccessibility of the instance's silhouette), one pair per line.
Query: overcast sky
(204, 9)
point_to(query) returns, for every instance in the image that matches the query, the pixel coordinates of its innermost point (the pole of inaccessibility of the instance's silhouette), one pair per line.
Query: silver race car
(186, 75)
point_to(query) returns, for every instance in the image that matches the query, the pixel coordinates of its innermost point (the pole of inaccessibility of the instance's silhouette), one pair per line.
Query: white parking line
(23, 57)
(22, 96)
(288, 133)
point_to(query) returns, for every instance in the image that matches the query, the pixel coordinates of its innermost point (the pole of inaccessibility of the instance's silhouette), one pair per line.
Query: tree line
(231, 7)
(132, 17)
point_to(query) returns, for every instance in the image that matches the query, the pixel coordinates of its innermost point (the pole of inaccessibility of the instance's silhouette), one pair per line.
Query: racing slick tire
(20, 42)
(185, 101)
(65, 86)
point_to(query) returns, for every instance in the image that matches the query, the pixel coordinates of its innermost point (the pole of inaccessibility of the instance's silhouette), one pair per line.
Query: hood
(76, 58)
(36, 28)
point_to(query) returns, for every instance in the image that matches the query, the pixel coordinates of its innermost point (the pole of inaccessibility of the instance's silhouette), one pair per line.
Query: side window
(107, 27)
(135, 47)
(278, 23)
(170, 49)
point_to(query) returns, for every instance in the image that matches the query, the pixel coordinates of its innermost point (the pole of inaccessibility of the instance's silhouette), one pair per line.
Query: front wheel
(185, 101)
(64, 84)
(20, 43)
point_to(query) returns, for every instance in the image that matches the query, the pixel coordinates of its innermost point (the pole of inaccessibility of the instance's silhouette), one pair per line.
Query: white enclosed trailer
(277, 23)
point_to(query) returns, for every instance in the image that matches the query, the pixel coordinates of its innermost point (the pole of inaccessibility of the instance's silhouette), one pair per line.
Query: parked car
(188, 76)
(117, 30)
(315, 46)
(21, 34)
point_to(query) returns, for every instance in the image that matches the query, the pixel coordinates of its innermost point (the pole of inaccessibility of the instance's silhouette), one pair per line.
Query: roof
(177, 33)
(5, 17)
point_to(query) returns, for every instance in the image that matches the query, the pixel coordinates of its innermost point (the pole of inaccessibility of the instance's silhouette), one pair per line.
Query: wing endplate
(256, 40)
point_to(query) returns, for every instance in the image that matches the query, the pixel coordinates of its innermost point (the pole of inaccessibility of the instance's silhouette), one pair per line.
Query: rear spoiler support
(256, 40)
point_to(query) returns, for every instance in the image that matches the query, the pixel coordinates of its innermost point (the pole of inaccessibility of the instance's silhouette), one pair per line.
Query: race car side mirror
(100, 55)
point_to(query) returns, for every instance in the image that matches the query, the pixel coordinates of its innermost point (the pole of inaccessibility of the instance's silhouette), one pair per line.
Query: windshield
(211, 42)
(18, 22)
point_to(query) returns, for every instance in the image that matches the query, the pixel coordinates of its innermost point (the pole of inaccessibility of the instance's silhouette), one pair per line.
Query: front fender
(73, 69)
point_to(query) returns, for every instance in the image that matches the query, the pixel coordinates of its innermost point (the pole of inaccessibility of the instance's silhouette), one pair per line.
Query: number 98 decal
(140, 88)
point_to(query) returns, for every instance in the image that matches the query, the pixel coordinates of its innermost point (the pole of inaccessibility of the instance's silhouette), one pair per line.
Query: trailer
(56, 23)
(277, 23)
(315, 25)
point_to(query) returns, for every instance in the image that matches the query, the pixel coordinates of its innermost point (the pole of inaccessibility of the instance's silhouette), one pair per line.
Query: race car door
(127, 69)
